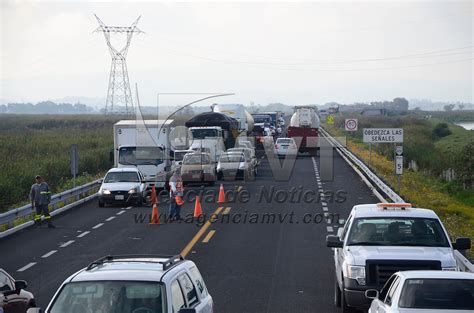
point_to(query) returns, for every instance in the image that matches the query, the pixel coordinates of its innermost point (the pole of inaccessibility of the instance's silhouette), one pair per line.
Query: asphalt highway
(263, 252)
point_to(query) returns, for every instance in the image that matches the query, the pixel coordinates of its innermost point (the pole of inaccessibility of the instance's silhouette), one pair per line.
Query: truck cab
(378, 240)
(209, 139)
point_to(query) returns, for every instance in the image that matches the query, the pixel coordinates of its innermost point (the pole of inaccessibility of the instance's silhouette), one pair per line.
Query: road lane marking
(98, 225)
(129, 208)
(64, 245)
(198, 235)
(83, 234)
(50, 253)
(110, 218)
(324, 203)
(121, 212)
(329, 229)
(226, 211)
(209, 236)
(24, 268)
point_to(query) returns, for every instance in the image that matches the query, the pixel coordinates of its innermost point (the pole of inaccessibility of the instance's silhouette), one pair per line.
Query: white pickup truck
(378, 240)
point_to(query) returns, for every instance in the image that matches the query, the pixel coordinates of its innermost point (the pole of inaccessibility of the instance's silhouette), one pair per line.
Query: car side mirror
(20, 284)
(187, 310)
(462, 243)
(333, 241)
(372, 294)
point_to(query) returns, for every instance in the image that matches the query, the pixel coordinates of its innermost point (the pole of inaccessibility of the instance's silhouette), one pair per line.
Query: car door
(204, 296)
(385, 306)
(191, 294)
(177, 297)
(338, 253)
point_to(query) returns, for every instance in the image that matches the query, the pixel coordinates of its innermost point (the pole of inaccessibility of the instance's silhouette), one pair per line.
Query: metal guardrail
(57, 200)
(464, 264)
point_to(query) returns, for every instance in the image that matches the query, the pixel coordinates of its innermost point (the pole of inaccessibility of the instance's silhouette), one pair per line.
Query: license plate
(119, 197)
(284, 147)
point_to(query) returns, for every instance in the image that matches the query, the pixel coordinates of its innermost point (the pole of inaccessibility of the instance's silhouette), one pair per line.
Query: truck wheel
(337, 294)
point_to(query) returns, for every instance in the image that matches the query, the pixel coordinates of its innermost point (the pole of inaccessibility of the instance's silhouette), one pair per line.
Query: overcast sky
(295, 53)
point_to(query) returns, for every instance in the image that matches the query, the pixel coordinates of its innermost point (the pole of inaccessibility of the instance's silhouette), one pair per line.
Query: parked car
(198, 167)
(139, 284)
(424, 291)
(249, 156)
(13, 296)
(122, 185)
(234, 166)
(380, 239)
(286, 147)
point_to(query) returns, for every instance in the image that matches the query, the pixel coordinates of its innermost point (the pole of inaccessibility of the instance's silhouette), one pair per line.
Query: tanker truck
(304, 126)
(238, 112)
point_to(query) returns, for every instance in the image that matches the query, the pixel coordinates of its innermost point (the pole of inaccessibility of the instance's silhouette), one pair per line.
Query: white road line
(121, 212)
(325, 209)
(64, 245)
(24, 268)
(324, 203)
(50, 253)
(129, 208)
(98, 225)
(329, 229)
(83, 234)
(110, 218)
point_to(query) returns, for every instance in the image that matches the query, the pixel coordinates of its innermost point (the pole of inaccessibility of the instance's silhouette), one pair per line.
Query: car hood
(119, 186)
(362, 253)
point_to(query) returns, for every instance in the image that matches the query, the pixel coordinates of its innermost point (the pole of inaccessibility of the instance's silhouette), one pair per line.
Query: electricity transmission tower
(119, 95)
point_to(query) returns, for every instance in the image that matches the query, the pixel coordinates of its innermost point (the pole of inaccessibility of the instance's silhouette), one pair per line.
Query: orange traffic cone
(153, 196)
(197, 208)
(221, 195)
(155, 218)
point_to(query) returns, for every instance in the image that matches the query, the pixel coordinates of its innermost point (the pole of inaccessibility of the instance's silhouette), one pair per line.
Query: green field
(32, 145)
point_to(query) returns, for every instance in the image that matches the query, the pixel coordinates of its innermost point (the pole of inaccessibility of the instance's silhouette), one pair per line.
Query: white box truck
(145, 145)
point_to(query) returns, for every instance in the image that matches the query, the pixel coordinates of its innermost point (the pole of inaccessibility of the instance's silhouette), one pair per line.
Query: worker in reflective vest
(176, 195)
(40, 197)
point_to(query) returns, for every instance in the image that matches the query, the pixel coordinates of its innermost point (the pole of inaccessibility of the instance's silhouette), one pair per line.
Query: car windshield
(204, 133)
(284, 141)
(441, 294)
(140, 155)
(397, 231)
(110, 297)
(194, 159)
(232, 158)
(121, 177)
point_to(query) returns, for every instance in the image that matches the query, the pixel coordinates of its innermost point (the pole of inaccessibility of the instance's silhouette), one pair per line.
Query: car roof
(284, 138)
(123, 169)
(436, 274)
(372, 210)
(133, 269)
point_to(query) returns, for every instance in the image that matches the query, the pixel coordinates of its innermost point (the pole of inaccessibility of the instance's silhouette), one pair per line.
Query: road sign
(74, 159)
(351, 124)
(399, 150)
(330, 119)
(399, 165)
(383, 135)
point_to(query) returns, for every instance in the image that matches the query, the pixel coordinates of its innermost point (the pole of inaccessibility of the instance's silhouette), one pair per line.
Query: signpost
(383, 135)
(74, 162)
(398, 163)
(351, 124)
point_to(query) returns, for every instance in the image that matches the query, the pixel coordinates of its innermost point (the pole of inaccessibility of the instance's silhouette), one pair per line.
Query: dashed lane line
(50, 253)
(83, 234)
(121, 212)
(98, 225)
(208, 236)
(198, 235)
(110, 218)
(64, 245)
(24, 268)
(329, 229)
(226, 211)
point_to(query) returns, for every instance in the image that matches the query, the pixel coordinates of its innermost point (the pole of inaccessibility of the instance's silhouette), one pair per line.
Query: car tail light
(276, 146)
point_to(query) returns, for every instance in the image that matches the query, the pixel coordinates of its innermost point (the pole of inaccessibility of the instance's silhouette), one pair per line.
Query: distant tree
(3, 109)
(441, 130)
(449, 107)
(400, 104)
(461, 106)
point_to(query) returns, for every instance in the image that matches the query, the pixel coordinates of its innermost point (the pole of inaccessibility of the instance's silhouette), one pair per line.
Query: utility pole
(119, 95)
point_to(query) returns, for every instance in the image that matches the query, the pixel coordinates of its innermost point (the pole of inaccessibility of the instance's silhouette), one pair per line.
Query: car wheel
(337, 293)
(101, 204)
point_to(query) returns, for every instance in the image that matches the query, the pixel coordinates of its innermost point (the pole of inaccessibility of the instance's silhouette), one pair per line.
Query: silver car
(234, 165)
(122, 185)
